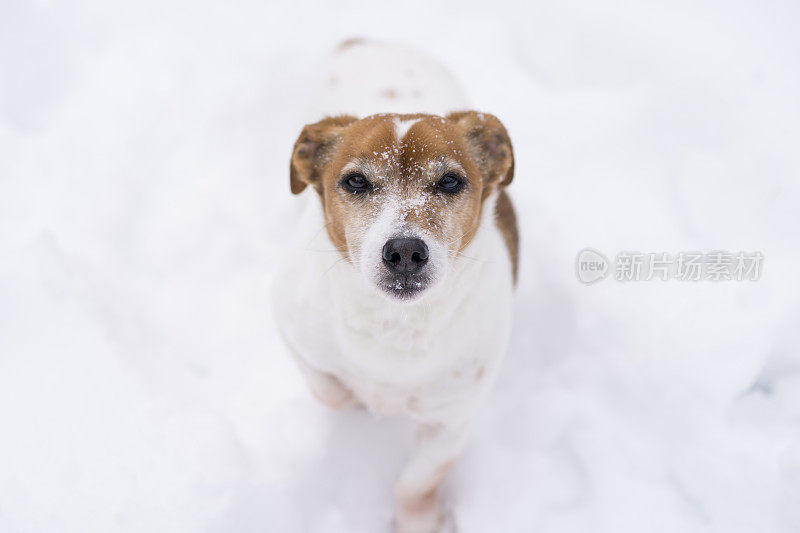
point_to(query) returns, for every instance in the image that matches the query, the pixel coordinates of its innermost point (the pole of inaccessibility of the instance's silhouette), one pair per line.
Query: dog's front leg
(327, 388)
(418, 508)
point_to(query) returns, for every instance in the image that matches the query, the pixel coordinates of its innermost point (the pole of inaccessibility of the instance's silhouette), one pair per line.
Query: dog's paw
(438, 522)
(330, 391)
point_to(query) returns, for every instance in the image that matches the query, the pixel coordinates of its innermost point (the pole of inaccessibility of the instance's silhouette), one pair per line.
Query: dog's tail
(368, 77)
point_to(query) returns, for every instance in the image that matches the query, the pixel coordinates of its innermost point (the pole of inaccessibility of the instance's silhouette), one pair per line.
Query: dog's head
(402, 194)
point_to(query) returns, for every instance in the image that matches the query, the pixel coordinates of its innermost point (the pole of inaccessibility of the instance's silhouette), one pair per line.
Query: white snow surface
(144, 204)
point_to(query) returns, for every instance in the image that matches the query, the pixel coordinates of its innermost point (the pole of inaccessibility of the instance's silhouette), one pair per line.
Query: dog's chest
(421, 364)
(428, 361)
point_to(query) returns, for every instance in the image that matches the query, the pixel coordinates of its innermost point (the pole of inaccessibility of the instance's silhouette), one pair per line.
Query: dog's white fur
(431, 359)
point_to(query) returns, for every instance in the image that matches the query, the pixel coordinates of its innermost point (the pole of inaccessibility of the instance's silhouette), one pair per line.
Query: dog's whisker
(325, 273)
(316, 233)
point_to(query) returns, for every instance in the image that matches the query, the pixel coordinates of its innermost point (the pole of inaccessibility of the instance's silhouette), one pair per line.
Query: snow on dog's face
(402, 194)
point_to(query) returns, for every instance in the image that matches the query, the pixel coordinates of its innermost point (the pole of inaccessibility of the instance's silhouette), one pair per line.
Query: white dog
(397, 294)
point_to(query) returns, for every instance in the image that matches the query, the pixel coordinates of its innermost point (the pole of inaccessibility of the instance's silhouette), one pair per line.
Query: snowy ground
(143, 192)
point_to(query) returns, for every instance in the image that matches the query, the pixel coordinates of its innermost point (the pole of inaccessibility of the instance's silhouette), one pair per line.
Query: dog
(397, 294)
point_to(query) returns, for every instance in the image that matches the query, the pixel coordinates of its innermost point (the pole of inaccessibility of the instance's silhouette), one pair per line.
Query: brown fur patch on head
(403, 157)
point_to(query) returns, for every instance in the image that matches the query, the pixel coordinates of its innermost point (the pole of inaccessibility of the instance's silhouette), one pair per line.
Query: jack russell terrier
(397, 294)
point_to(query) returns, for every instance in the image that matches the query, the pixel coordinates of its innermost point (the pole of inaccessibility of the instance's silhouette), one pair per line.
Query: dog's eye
(450, 183)
(356, 183)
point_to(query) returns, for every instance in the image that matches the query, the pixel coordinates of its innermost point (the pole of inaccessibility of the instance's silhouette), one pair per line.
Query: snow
(144, 203)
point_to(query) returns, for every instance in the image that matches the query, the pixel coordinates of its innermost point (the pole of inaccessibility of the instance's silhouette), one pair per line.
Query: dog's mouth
(404, 287)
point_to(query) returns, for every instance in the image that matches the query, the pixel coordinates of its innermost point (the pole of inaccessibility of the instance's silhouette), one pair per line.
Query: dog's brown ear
(313, 149)
(489, 144)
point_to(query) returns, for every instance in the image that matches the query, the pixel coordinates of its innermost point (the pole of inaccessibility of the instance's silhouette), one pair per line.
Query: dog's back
(369, 77)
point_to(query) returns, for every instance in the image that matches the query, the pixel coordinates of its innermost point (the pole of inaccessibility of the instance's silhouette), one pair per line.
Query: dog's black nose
(405, 255)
